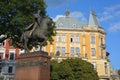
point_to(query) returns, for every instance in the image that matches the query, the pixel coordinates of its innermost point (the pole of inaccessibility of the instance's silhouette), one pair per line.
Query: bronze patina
(37, 31)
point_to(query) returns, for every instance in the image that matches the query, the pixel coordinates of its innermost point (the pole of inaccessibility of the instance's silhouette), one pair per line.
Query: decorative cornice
(33, 63)
(33, 54)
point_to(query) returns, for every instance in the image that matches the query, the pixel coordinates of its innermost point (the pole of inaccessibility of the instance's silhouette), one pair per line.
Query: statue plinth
(33, 66)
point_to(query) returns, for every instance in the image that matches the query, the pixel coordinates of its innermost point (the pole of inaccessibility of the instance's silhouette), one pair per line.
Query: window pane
(77, 39)
(11, 56)
(93, 39)
(106, 70)
(63, 50)
(72, 38)
(57, 49)
(0, 69)
(2, 44)
(93, 53)
(58, 38)
(72, 50)
(101, 40)
(77, 50)
(10, 69)
(63, 38)
(1, 55)
(94, 65)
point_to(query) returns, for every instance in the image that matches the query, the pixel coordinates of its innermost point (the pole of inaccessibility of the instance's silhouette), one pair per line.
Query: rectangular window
(58, 49)
(11, 56)
(2, 44)
(93, 52)
(77, 39)
(58, 38)
(0, 69)
(10, 69)
(106, 69)
(77, 50)
(1, 55)
(63, 38)
(92, 39)
(72, 50)
(101, 40)
(72, 38)
(63, 50)
(94, 65)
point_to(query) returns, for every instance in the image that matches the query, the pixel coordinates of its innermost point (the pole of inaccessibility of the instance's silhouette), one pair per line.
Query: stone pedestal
(33, 66)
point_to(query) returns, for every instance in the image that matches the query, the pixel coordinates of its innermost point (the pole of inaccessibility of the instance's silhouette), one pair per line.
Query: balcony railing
(103, 46)
(71, 56)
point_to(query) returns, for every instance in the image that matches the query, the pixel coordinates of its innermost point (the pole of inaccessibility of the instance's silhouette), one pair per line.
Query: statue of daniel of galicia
(37, 31)
(36, 18)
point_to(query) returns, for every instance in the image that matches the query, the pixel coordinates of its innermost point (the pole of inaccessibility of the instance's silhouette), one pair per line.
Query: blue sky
(108, 12)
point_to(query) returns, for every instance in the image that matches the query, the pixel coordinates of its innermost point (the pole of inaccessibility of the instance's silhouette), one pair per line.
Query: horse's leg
(25, 45)
(40, 47)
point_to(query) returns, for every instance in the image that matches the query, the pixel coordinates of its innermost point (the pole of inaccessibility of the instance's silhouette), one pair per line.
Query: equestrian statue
(36, 33)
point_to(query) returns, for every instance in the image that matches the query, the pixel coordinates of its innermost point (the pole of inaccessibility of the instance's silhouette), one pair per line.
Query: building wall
(7, 59)
(6, 49)
(84, 44)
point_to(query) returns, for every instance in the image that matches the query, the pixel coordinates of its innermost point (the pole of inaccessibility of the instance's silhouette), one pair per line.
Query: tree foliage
(73, 69)
(15, 15)
(119, 72)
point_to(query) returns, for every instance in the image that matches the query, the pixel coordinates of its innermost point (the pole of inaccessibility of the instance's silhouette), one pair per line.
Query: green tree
(74, 69)
(15, 15)
(60, 72)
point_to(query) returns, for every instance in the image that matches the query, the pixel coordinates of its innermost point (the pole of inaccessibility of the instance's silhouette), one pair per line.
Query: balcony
(67, 55)
(103, 46)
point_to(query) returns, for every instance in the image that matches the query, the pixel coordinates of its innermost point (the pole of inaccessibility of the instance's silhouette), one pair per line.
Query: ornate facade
(83, 40)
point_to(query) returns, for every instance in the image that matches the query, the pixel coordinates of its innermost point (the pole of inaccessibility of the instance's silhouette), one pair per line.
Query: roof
(69, 23)
(93, 20)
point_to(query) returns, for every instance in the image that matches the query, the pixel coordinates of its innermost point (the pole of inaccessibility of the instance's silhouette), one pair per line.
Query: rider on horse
(31, 27)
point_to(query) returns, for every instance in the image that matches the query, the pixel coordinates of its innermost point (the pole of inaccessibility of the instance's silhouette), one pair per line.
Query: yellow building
(83, 40)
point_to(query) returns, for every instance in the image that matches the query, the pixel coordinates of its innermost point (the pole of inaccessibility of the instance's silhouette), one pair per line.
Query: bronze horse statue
(36, 32)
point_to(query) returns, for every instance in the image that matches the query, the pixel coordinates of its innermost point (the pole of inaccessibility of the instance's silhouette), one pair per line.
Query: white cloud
(55, 3)
(113, 8)
(114, 27)
(78, 15)
(58, 16)
(110, 13)
(105, 17)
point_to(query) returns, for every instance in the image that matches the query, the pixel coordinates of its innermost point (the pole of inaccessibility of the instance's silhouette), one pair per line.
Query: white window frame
(77, 38)
(77, 50)
(93, 52)
(63, 50)
(57, 48)
(92, 40)
(94, 65)
(11, 51)
(63, 38)
(2, 50)
(71, 50)
(58, 38)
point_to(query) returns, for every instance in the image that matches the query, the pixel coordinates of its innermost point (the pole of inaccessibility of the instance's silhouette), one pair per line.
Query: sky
(108, 13)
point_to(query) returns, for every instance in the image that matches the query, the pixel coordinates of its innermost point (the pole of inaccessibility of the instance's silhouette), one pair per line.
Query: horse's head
(49, 21)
